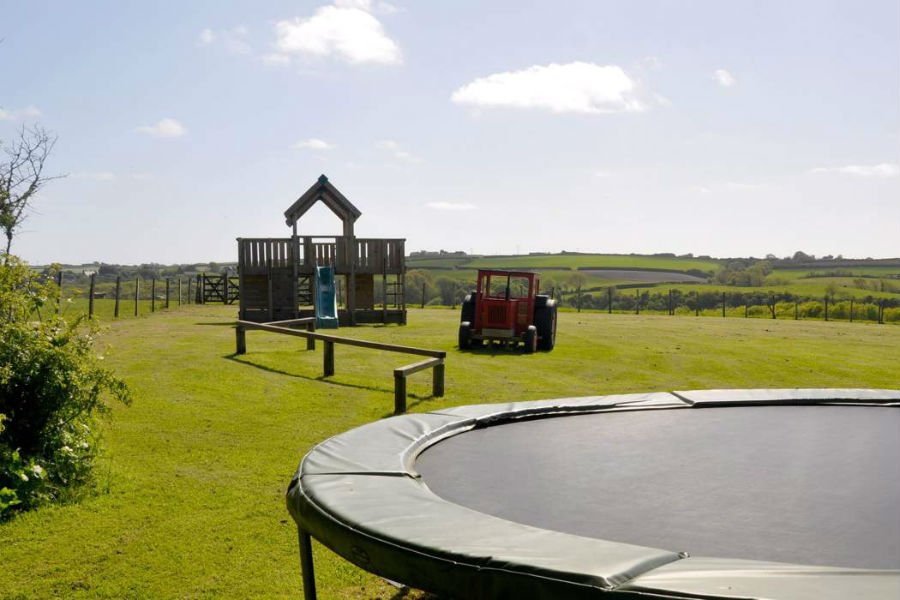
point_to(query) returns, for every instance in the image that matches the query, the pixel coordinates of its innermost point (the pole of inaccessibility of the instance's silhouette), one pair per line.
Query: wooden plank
(328, 359)
(408, 370)
(437, 380)
(348, 341)
(118, 290)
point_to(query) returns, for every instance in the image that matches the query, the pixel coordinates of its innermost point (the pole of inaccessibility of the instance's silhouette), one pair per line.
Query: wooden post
(772, 305)
(696, 304)
(118, 289)
(746, 310)
(240, 335)
(851, 310)
(796, 310)
(201, 288)
(306, 565)
(179, 291)
(153, 295)
(881, 312)
(59, 288)
(609, 300)
(328, 357)
(437, 380)
(423, 294)
(311, 342)
(637, 302)
(167, 293)
(399, 393)
(190, 299)
(826, 308)
(91, 297)
(723, 305)
(671, 308)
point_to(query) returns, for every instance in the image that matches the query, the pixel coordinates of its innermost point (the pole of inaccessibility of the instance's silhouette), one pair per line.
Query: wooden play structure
(277, 276)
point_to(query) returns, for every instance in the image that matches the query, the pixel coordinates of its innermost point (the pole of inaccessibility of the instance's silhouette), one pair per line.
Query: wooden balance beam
(435, 360)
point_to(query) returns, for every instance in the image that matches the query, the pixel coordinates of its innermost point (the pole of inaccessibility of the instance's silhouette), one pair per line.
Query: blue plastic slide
(326, 299)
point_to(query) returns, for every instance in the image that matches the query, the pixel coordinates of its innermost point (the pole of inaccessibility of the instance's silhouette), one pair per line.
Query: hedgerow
(53, 389)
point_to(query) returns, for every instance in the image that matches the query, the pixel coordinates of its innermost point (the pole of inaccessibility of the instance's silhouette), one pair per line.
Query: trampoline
(782, 494)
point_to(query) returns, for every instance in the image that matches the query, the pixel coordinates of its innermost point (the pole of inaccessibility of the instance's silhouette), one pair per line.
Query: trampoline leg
(306, 565)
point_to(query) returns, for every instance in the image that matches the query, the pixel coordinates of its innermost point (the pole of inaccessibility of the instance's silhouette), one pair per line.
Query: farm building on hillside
(277, 275)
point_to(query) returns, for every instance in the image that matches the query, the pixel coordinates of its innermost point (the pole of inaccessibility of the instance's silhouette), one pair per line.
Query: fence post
(167, 293)
(851, 310)
(609, 300)
(796, 309)
(91, 297)
(881, 312)
(637, 302)
(746, 310)
(328, 357)
(153, 295)
(137, 294)
(59, 288)
(826, 308)
(179, 291)
(723, 305)
(423, 294)
(190, 299)
(118, 289)
(201, 288)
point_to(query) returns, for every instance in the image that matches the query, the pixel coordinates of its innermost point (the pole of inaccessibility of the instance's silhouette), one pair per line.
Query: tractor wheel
(465, 336)
(531, 340)
(545, 321)
(468, 308)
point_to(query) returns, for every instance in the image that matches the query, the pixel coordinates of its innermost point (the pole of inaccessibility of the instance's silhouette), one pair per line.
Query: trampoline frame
(358, 494)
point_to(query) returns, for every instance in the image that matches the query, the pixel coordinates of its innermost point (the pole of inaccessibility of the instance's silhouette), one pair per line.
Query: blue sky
(722, 128)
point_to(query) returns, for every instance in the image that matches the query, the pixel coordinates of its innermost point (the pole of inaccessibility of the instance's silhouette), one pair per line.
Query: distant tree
(22, 176)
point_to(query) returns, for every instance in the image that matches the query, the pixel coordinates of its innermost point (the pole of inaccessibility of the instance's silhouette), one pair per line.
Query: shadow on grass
(236, 358)
(218, 324)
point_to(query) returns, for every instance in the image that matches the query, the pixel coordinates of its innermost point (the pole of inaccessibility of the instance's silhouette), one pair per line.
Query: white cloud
(29, 112)
(451, 206)
(879, 170)
(397, 151)
(165, 128)
(347, 31)
(313, 144)
(576, 87)
(96, 175)
(724, 78)
(232, 40)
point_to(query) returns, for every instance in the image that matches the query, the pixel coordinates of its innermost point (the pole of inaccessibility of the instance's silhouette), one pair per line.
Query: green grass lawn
(191, 489)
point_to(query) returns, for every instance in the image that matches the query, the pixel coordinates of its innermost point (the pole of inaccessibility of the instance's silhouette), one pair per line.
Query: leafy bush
(52, 389)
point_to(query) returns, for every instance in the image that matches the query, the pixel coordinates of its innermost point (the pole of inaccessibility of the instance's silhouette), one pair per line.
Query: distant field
(191, 501)
(569, 261)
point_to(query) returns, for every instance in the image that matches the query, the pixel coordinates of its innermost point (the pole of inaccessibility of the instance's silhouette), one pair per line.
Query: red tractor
(506, 307)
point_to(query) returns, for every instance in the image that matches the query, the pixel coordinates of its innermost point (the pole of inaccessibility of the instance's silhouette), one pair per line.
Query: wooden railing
(368, 255)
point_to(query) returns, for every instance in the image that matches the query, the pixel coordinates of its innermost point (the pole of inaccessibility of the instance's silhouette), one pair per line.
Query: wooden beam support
(328, 359)
(240, 335)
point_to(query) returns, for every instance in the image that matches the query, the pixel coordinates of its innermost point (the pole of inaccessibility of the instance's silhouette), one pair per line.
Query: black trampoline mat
(817, 485)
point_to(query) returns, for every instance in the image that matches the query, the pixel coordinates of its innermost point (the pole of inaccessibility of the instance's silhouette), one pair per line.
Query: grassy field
(190, 500)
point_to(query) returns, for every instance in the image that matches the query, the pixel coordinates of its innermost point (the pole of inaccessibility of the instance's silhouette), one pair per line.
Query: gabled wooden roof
(330, 196)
